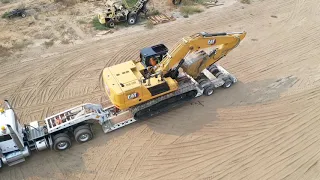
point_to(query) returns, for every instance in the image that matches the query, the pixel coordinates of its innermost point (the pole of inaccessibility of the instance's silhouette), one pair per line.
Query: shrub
(246, 1)
(188, 10)
(97, 25)
(5, 1)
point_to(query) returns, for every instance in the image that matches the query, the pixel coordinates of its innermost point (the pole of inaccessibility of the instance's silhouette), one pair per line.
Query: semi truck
(137, 89)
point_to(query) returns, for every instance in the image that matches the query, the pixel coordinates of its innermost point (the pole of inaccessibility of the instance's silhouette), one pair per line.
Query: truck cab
(12, 147)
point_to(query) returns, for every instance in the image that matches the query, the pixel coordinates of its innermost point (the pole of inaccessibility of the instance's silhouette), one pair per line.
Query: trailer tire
(83, 134)
(61, 142)
(208, 90)
(228, 83)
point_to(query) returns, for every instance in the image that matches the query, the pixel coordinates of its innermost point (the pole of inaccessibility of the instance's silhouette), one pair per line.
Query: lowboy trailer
(55, 132)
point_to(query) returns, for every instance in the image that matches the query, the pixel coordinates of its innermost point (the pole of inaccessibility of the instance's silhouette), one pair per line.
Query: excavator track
(187, 91)
(165, 105)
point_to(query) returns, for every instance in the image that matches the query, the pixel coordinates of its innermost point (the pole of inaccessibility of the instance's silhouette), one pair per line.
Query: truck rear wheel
(83, 134)
(61, 142)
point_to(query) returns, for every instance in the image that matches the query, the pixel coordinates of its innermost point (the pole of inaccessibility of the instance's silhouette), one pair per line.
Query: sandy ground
(264, 127)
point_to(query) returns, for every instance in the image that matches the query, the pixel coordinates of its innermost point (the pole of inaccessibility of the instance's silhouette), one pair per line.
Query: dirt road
(265, 127)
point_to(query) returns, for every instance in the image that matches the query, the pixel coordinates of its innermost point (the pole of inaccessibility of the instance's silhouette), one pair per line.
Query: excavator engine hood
(120, 82)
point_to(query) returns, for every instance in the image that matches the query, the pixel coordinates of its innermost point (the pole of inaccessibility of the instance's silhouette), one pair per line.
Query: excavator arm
(220, 43)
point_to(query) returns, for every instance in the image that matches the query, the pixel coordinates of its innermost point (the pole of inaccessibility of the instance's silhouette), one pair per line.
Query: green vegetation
(193, 2)
(5, 15)
(97, 25)
(131, 3)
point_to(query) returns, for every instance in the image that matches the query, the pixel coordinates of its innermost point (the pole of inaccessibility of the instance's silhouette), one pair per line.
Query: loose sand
(264, 127)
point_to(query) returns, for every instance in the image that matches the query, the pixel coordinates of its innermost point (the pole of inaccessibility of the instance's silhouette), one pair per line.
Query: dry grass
(189, 10)
(65, 41)
(67, 2)
(153, 12)
(4, 51)
(5, 1)
(245, 1)
(149, 25)
(81, 21)
(19, 45)
(48, 44)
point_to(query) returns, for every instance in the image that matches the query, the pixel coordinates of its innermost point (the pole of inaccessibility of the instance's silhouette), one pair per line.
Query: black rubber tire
(110, 24)
(176, 2)
(83, 134)
(227, 84)
(192, 94)
(208, 90)
(61, 138)
(132, 18)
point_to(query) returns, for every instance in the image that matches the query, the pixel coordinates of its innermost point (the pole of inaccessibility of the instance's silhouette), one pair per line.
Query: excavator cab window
(150, 56)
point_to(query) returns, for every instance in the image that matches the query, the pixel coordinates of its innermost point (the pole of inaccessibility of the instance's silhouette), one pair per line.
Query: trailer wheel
(208, 90)
(82, 134)
(61, 142)
(227, 83)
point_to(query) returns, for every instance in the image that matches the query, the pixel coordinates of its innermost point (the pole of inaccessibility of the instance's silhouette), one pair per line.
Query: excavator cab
(151, 56)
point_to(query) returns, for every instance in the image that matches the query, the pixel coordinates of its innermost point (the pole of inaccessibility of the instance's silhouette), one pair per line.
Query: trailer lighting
(3, 128)
(1, 110)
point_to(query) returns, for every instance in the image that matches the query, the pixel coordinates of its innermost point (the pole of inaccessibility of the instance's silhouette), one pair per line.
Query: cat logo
(211, 41)
(133, 95)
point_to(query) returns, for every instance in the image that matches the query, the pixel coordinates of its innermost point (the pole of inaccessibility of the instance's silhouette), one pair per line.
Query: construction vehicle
(119, 11)
(158, 81)
(188, 71)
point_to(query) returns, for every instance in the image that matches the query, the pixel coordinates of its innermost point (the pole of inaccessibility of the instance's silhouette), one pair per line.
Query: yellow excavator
(161, 79)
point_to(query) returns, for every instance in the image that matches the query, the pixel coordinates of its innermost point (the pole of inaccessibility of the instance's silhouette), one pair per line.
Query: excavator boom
(220, 43)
